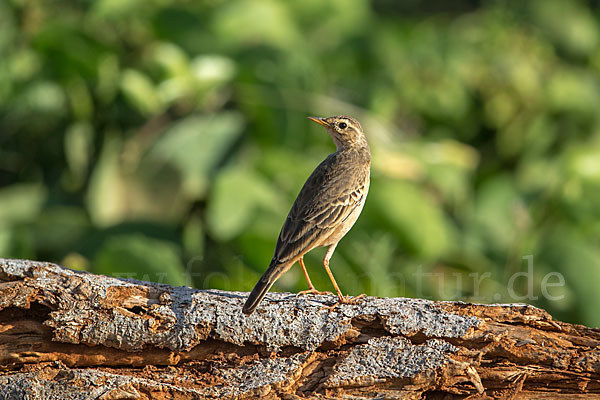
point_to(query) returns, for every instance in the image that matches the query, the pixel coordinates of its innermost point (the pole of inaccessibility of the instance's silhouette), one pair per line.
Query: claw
(345, 300)
(311, 291)
(351, 300)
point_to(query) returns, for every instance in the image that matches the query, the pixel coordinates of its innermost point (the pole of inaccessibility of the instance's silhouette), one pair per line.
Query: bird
(327, 206)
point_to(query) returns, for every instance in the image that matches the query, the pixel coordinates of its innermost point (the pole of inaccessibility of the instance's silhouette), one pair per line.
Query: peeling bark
(72, 335)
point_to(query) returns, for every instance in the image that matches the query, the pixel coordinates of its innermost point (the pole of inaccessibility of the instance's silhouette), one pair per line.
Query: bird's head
(346, 132)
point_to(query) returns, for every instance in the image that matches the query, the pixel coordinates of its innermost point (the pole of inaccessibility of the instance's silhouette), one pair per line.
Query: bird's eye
(343, 125)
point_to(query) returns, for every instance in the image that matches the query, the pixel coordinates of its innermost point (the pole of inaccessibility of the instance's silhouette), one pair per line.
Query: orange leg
(311, 288)
(341, 297)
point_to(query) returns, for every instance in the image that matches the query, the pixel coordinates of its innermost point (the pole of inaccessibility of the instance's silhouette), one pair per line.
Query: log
(67, 334)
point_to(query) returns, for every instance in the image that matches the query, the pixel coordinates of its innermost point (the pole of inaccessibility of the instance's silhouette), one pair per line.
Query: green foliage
(236, 197)
(195, 145)
(142, 258)
(167, 140)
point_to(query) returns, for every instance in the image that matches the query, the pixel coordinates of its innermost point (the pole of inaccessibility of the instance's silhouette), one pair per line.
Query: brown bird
(327, 206)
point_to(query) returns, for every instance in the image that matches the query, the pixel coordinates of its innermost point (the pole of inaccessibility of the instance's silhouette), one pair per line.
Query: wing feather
(328, 197)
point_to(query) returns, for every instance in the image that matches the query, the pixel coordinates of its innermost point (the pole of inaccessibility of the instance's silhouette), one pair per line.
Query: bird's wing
(327, 198)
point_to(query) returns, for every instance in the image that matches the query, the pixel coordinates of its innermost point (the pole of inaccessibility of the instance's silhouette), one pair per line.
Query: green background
(166, 140)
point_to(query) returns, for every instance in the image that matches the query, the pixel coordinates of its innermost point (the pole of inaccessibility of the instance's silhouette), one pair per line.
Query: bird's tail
(263, 285)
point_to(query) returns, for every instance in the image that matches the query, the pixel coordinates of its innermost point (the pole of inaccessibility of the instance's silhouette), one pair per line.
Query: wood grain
(73, 335)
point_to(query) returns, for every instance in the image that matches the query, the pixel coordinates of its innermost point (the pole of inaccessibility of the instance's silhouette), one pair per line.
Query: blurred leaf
(394, 163)
(257, 248)
(580, 191)
(117, 192)
(140, 257)
(117, 8)
(452, 182)
(76, 261)
(338, 21)
(413, 215)
(211, 69)
(78, 150)
(8, 26)
(496, 212)
(5, 241)
(108, 77)
(193, 237)
(578, 259)
(573, 90)
(105, 197)
(16, 242)
(540, 174)
(375, 255)
(569, 23)
(288, 169)
(140, 91)
(453, 153)
(264, 21)
(584, 163)
(59, 228)
(450, 167)
(21, 202)
(185, 26)
(24, 64)
(237, 194)
(43, 98)
(195, 145)
(171, 58)
(71, 51)
(80, 99)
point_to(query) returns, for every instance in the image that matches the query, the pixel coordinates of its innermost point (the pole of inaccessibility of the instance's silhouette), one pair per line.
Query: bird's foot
(311, 291)
(346, 300)
(350, 300)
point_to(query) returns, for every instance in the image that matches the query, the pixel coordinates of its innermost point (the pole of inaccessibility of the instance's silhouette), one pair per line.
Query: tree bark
(73, 335)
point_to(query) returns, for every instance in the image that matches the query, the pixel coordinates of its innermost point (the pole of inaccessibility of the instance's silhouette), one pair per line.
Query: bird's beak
(320, 121)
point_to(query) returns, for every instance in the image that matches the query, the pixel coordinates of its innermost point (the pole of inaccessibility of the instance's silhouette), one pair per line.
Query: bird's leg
(311, 288)
(341, 298)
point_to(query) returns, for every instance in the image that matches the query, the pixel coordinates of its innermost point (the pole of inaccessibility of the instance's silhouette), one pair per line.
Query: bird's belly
(342, 229)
